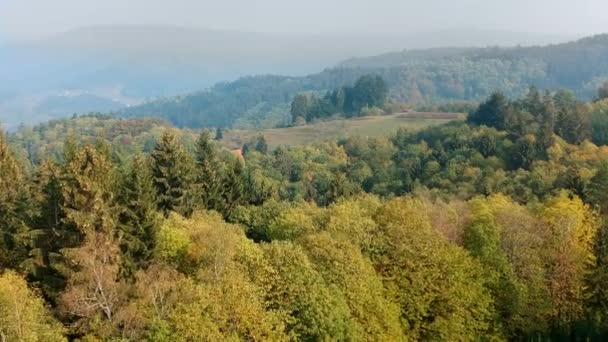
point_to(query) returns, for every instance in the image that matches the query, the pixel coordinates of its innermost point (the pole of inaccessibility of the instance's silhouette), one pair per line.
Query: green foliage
(415, 77)
(454, 232)
(14, 207)
(23, 313)
(368, 92)
(208, 171)
(172, 176)
(138, 222)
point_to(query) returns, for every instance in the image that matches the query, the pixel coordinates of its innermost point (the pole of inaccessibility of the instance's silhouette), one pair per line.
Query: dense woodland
(419, 77)
(493, 227)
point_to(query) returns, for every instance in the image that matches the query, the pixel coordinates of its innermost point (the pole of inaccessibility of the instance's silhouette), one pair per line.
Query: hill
(130, 64)
(418, 77)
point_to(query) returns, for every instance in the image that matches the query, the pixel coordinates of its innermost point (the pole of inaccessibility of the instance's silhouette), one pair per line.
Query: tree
(23, 314)
(15, 208)
(492, 112)
(172, 176)
(573, 121)
(261, 145)
(93, 292)
(207, 172)
(438, 286)
(597, 191)
(233, 188)
(573, 227)
(368, 91)
(52, 231)
(138, 222)
(312, 309)
(299, 107)
(602, 92)
(219, 134)
(375, 317)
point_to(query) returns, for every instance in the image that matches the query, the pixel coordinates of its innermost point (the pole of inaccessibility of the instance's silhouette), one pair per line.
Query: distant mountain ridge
(416, 76)
(140, 63)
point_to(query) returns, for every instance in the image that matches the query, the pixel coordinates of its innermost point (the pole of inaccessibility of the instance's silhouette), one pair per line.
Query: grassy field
(370, 126)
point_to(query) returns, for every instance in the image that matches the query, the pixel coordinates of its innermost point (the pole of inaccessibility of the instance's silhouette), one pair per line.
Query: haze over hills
(105, 68)
(416, 77)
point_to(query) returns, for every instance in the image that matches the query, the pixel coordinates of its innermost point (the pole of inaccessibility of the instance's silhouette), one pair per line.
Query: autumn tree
(23, 313)
(93, 292)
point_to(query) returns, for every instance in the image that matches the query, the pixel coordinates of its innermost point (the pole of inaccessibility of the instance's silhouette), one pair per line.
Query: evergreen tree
(492, 112)
(233, 188)
(219, 134)
(138, 223)
(261, 145)
(172, 176)
(15, 208)
(207, 171)
(573, 122)
(546, 121)
(90, 206)
(51, 233)
(89, 200)
(299, 107)
(597, 191)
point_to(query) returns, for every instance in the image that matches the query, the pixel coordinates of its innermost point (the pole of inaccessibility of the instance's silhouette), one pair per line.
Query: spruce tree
(14, 208)
(233, 188)
(172, 175)
(138, 222)
(207, 172)
(50, 233)
(89, 201)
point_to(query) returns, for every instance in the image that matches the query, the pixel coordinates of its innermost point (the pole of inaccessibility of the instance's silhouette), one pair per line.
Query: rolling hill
(126, 65)
(417, 76)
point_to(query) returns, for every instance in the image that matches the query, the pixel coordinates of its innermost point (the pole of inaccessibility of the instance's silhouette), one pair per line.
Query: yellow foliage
(23, 316)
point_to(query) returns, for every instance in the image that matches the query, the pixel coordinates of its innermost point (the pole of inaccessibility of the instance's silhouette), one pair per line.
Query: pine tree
(138, 222)
(172, 176)
(208, 167)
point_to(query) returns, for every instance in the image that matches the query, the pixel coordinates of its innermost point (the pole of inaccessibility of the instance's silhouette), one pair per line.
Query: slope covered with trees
(493, 227)
(416, 77)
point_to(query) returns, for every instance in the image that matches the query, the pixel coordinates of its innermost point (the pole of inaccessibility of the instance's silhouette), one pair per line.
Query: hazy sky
(31, 18)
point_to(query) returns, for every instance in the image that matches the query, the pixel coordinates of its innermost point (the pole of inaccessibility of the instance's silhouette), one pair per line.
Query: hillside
(315, 241)
(419, 76)
(143, 62)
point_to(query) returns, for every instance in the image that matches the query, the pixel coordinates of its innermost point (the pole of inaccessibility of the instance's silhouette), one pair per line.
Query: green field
(370, 126)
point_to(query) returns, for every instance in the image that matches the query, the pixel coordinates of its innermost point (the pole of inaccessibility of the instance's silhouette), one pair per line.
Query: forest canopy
(117, 229)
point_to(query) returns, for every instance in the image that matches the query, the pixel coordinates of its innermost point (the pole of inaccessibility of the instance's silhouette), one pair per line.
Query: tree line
(368, 91)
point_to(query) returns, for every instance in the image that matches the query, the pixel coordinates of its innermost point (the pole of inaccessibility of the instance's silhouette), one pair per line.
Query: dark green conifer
(172, 176)
(138, 222)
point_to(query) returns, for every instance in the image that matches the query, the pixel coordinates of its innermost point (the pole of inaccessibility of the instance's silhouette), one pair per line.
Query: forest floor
(368, 126)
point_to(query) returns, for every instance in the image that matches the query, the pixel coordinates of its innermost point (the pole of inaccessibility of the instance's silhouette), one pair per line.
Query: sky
(21, 19)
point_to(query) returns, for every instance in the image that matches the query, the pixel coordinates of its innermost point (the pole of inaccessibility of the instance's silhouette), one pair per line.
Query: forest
(492, 227)
(419, 77)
